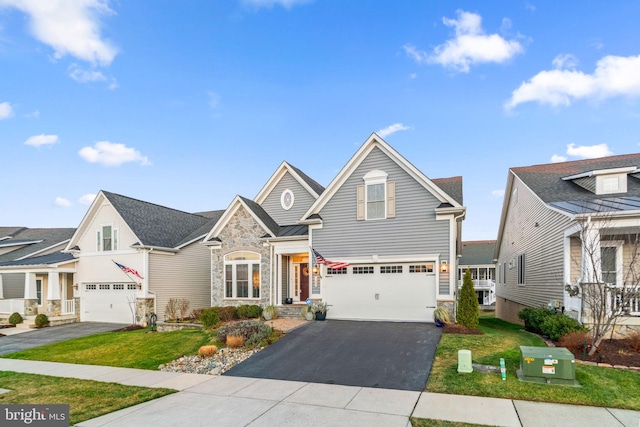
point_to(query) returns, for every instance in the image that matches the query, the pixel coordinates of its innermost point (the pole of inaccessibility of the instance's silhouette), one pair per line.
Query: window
(39, 291)
(242, 275)
(610, 184)
(421, 268)
(363, 270)
(521, 270)
(333, 271)
(287, 199)
(91, 287)
(131, 286)
(107, 239)
(118, 286)
(390, 269)
(104, 287)
(608, 264)
(376, 198)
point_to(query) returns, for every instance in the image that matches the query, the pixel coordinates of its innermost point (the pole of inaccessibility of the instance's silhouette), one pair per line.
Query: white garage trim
(108, 302)
(401, 291)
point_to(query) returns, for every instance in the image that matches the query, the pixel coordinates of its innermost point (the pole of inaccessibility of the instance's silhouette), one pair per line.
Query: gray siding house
(398, 231)
(542, 250)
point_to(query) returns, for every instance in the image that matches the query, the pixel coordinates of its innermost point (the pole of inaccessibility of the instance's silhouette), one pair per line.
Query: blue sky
(188, 103)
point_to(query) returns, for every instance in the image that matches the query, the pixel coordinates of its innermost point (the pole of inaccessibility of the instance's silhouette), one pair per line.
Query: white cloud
(6, 110)
(470, 46)
(392, 129)
(287, 4)
(35, 114)
(87, 199)
(62, 202)
(565, 61)
(589, 151)
(42, 139)
(112, 154)
(498, 193)
(530, 7)
(84, 76)
(70, 27)
(613, 76)
(558, 159)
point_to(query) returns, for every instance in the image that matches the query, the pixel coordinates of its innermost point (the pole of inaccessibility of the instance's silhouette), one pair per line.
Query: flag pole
(130, 278)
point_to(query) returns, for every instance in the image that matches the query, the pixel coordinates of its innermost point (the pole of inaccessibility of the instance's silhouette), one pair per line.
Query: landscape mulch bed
(613, 352)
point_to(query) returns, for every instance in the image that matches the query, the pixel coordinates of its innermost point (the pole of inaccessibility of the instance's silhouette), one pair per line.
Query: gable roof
(309, 184)
(452, 186)
(374, 141)
(546, 180)
(253, 208)
(9, 231)
(477, 252)
(33, 241)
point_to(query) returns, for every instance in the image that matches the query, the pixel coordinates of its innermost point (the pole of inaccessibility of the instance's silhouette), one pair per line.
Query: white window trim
(115, 238)
(619, 245)
(234, 289)
(282, 202)
(372, 178)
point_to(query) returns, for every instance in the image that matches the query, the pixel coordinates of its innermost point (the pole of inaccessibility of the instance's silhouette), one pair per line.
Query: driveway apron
(38, 337)
(390, 355)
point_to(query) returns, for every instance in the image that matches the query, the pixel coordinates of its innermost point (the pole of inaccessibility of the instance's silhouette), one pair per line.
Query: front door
(304, 281)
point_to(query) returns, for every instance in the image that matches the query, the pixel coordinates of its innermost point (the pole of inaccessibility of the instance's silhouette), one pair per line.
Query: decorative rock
(221, 362)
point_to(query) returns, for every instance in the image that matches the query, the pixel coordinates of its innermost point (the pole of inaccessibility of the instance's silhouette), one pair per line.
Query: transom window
(242, 275)
(421, 268)
(107, 239)
(363, 270)
(390, 269)
(333, 271)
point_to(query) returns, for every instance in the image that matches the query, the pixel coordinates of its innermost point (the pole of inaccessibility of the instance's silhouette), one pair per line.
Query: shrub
(270, 312)
(207, 350)
(575, 341)
(41, 320)
(468, 309)
(246, 329)
(633, 341)
(195, 314)
(249, 311)
(209, 317)
(534, 317)
(15, 318)
(183, 308)
(235, 341)
(227, 313)
(441, 315)
(558, 325)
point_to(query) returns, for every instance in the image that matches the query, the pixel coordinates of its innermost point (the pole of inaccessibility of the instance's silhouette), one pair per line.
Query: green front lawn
(133, 349)
(86, 399)
(614, 388)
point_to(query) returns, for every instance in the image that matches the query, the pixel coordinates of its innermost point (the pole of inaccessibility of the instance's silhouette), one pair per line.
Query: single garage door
(400, 292)
(108, 302)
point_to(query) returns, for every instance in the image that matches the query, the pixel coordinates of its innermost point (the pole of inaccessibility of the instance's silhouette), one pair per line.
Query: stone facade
(54, 307)
(450, 307)
(30, 307)
(144, 306)
(242, 233)
(77, 303)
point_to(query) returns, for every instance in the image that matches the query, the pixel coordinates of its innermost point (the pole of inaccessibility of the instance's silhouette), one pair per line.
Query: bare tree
(609, 281)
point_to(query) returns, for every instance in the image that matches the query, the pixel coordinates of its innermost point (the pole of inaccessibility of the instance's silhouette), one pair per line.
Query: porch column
(591, 269)
(30, 294)
(278, 284)
(54, 305)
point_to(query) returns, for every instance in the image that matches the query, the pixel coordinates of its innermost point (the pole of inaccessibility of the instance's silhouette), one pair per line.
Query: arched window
(242, 275)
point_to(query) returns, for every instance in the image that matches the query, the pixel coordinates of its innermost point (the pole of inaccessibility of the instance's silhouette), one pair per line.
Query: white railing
(625, 299)
(484, 285)
(68, 306)
(14, 305)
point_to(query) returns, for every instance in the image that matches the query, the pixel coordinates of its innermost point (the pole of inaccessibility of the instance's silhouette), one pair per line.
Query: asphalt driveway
(366, 354)
(38, 337)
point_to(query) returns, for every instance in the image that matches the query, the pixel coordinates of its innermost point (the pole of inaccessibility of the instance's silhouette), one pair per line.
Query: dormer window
(603, 181)
(376, 198)
(611, 184)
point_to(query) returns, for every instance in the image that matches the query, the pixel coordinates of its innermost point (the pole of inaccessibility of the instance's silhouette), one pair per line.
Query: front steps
(290, 311)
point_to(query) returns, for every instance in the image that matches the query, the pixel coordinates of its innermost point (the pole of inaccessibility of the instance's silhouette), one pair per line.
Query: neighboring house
(398, 230)
(162, 245)
(35, 277)
(546, 209)
(477, 257)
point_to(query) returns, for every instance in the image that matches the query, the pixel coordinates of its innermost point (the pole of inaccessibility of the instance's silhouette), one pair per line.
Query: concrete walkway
(205, 400)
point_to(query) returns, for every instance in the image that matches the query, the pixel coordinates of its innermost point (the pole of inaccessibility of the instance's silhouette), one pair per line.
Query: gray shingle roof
(546, 180)
(258, 211)
(46, 237)
(54, 258)
(310, 182)
(8, 231)
(157, 225)
(477, 252)
(452, 186)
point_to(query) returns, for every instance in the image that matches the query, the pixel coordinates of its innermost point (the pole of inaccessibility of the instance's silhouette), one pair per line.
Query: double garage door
(108, 302)
(399, 292)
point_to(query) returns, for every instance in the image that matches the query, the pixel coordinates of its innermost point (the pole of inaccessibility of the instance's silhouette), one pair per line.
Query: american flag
(331, 264)
(128, 270)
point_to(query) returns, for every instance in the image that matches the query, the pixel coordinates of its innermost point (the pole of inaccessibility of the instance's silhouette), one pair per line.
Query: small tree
(468, 307)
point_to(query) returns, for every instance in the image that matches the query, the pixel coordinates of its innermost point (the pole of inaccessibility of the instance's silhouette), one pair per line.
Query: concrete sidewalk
(205, 400)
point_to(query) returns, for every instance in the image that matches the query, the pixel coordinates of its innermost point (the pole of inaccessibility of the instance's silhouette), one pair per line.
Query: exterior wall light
(444, 267)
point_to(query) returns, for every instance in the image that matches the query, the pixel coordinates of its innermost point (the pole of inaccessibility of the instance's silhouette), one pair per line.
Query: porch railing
(68, 306)
(484, 285)
(13, 305)
(624, 299)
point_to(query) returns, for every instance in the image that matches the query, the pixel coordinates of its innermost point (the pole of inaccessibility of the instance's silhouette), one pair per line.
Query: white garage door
(400, 292)
(108, 302)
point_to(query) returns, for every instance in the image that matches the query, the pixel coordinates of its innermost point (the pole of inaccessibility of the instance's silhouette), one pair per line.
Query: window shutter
(360, 203)
(391, 199)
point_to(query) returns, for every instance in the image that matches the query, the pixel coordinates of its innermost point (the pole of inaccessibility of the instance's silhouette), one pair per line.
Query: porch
(483, 282)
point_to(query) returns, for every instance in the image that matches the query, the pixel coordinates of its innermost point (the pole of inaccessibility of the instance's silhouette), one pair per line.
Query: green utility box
(464, 361)
(547, 365)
